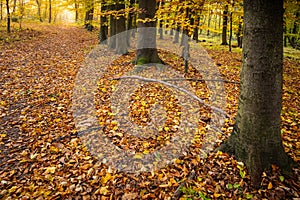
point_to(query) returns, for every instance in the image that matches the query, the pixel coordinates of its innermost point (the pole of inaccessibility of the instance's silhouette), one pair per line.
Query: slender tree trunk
(50, 11)
(8, 16)
(1, 10)
(160, 30)
(224, 29)
(129, 21)
(89, 15)
(103, 24)
(294, 30)
(176, 37)
(256, 138)
(112, 29)
(121, 39)
(146, 46)
(239, 33)
(76, 10)
(38, 3)
(196, 30)
(230, 32)
(208, 22)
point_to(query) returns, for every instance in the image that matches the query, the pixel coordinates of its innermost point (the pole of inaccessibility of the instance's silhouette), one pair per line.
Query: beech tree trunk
(76, 5)
(89, 15)
(146, 46)
(224, 28)
(103, 24)
(8, 16)
(50, 11)
(121, 39)
(112, 29)
(256, 138)
(39, 10)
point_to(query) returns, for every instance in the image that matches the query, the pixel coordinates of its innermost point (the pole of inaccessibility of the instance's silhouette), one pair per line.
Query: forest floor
(42, 155)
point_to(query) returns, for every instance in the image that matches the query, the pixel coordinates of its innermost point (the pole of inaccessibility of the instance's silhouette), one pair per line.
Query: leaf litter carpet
(42, 156)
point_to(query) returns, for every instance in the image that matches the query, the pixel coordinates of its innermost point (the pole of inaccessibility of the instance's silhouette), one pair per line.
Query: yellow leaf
(57, 120)
(2, 103)
(106, 178)
(54, 149)
(138, 156)
(12, 189)
(52, 99)
(49, 177)
(270, 186)
(3, 135)
(104, 190)
(216, 195)
(146, 151)
(33, 156)
(166, 128)
(50, 170)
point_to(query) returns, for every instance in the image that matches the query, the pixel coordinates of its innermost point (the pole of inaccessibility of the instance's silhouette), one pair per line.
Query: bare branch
(176, 87)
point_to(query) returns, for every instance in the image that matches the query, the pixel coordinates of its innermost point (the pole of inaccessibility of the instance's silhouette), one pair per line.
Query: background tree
(8, 16)
(1, 10)
(103, 23)
(256, 138)
(121, 37)
(50, 11)
(146, 46)
(89, 14)
(224, 28)
(38, 3)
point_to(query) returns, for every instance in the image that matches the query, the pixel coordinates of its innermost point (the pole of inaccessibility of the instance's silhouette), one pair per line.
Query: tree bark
(50, 11)
(112, 29)
(121, 37)
(256, 138)
(129, 21)
(1, 10)
(176, 37)
(103, 24)
(224, 28)
(8, 16)
(230, 32)
(89, 15)
(39, 10)
(146, 46)
(76, 10)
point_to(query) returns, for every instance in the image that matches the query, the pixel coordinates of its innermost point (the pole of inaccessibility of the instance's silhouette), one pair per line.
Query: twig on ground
(176, 87)
(177, 194)
(200, 80)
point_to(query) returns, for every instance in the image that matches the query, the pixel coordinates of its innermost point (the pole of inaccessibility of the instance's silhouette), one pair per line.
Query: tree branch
(200, 80)
(176, 87)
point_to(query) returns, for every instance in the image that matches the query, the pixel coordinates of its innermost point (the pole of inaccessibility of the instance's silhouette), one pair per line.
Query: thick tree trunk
(146, 46)
(8, 16)
(103, 24)
(121, 43)
(224, 28)
(256, 138)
